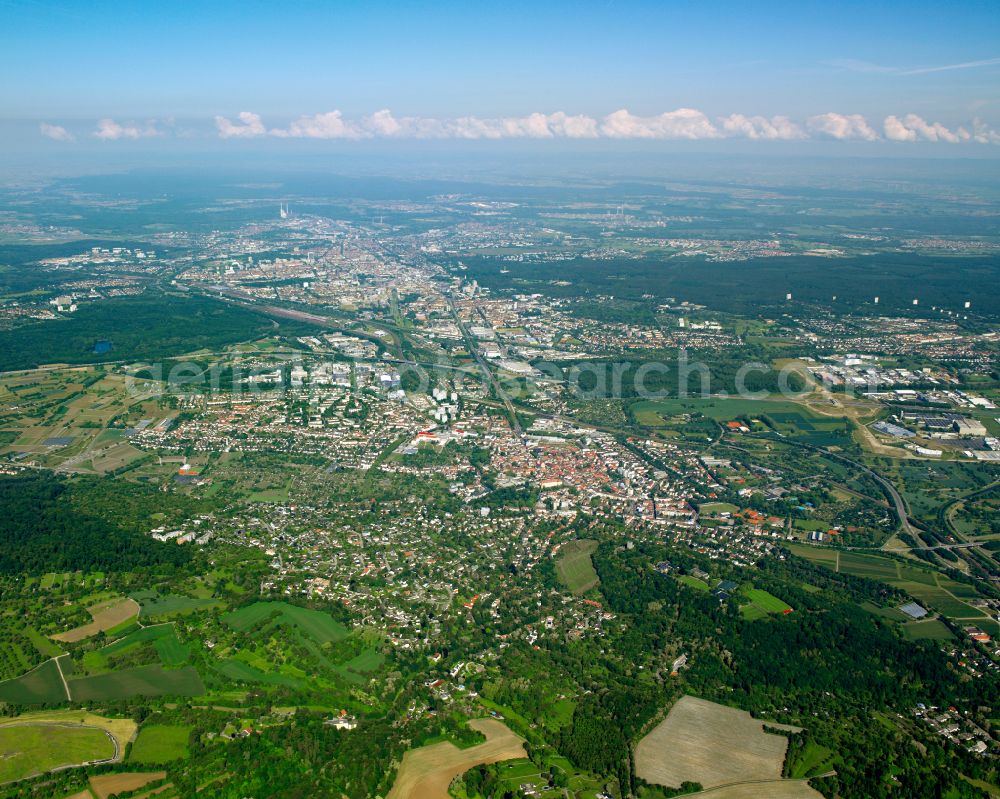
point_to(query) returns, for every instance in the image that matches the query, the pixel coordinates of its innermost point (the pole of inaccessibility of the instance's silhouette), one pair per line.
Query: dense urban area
(498, 490)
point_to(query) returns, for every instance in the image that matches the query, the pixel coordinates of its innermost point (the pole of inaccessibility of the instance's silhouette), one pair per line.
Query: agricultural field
(931, 589)
(28, 748)
(712, 744)
(107, 785)
(778, 789)
(153, 605)
(574, 567)
(49, 739)
(160, 743)
(163, 637)
(75, 419)
(42, 685)
(151, 680)
(426, 773)
(106, 616)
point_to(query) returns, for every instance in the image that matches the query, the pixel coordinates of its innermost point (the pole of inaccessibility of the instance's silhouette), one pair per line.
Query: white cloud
(912, 127)
(329, 125)
(842, 126)
(757, 127)
(56, 132)
(573, 127)
(249, 126)
(383, 123)
(684, 123)
(109, 130)
(895, 130)
(981, 134)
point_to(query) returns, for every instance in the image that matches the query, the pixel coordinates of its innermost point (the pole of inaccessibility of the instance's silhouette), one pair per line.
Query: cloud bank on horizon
(682, 124)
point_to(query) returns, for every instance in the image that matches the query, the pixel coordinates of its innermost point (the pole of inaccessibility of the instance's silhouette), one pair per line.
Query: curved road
(899, 504)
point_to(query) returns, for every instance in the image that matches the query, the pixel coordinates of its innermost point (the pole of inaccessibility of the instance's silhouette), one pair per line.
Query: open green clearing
(160, 743)
(575, 568)
(367, 661)
(930, 629)
(784, 416)
(812, 760)
(319, 626)
(164, 605)
(657, 412)
(36, 748)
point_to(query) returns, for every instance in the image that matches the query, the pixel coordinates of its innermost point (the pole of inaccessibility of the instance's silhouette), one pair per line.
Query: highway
(899, 504)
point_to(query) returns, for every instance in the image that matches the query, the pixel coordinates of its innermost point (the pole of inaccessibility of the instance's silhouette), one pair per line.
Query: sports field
(426, 773)
(762, 604)
(716, 508)
(693, 582)
(574, 566)
(701, 741)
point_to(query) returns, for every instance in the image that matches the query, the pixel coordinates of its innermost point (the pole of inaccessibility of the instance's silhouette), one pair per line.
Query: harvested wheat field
(107, 784)
(426, 773)
(712, 744)
(779, 789)
(106, 615)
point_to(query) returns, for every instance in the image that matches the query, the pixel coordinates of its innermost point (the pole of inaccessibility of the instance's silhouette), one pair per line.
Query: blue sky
(168, 69)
